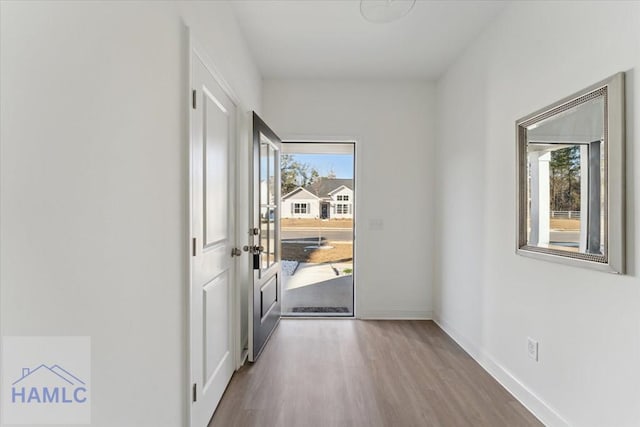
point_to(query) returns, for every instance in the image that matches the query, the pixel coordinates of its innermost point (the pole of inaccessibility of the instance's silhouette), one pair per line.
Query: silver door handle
(255, 249)
(235, 252)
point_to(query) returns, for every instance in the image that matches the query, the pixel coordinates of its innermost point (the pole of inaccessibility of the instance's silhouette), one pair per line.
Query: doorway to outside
(317, 228)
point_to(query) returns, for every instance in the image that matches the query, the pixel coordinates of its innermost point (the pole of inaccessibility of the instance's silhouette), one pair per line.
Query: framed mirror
(571, 179)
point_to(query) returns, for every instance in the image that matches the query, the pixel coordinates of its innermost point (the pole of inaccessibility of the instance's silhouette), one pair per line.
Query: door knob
(255, 249)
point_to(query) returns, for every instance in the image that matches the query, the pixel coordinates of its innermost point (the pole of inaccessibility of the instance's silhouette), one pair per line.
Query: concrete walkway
(317, 285)
(308, 274)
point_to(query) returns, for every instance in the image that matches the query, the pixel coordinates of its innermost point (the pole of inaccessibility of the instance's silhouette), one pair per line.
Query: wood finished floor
(352, 373)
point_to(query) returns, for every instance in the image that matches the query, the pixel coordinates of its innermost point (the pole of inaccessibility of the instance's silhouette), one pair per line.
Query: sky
(342, 164)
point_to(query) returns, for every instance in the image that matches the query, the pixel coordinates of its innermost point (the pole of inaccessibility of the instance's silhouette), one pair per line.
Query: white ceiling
(330, 39)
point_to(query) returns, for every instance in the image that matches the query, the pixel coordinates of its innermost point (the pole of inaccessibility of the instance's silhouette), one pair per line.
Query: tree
(565, 179)
(295, 174)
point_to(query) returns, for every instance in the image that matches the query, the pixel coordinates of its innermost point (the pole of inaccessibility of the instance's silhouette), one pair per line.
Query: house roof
(297, 190)
(325, 186)
(342, 187)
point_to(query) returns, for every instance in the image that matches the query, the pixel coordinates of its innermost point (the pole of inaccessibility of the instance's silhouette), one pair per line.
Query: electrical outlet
(532, 348)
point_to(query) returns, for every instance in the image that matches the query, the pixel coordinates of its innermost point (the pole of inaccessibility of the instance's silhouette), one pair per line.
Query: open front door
(264, 300)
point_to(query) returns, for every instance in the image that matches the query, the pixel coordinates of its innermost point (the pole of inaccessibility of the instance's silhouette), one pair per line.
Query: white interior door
(213, 121)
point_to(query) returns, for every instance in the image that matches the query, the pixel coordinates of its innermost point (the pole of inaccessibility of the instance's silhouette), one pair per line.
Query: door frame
(357, 179)
(195, 48)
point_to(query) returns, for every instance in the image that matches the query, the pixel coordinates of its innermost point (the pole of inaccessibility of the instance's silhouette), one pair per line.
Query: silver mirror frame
(613, 259)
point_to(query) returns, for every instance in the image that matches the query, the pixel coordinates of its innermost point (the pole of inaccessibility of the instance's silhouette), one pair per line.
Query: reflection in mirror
(564, 190)
(273, 167)
(264, 238)
(271, 251)
(264, 173)
(566, 180)
(269, 165)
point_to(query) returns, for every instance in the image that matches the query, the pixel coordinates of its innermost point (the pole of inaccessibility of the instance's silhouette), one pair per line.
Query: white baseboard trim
(395, 315)
(244, 353)
(538, 407)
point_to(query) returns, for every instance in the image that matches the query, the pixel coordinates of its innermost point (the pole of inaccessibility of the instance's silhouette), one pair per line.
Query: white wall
(490, 299)
(94, 186)
(392, 122)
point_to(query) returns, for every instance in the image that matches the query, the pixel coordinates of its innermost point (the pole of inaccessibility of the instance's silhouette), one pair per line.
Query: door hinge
(193, 99)
(194, 392)
(193, 246)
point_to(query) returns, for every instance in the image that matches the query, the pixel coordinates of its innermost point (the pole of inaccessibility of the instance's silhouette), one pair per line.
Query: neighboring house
(325, 198)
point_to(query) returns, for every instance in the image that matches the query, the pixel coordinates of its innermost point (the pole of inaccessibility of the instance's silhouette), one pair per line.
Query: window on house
(342, 208)
(343, 198)
(301, 208)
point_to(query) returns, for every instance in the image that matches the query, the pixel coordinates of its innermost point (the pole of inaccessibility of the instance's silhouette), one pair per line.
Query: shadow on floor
(336, 292)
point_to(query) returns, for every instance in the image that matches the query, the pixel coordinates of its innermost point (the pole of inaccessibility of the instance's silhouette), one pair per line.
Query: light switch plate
(376, 224)
(532, 348)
